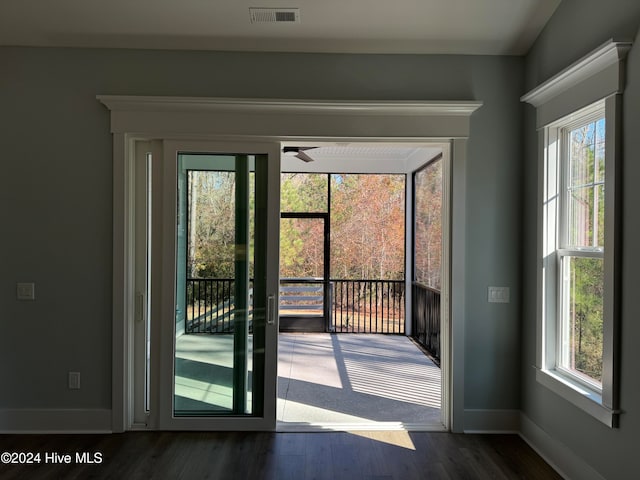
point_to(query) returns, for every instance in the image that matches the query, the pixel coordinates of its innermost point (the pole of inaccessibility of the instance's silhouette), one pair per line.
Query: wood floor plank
(346, 455)
(280, 456)
(319, 458)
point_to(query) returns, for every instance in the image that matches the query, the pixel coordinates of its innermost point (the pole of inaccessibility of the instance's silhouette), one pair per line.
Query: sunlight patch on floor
(205, 392)
(302, 413)
(398, 438)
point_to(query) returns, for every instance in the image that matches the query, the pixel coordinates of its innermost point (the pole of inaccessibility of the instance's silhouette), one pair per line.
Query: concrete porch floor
(325, 381)
(353, 381)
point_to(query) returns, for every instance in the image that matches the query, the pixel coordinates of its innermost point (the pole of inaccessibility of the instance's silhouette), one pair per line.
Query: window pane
(599, 211)
(304, 193)
(428, 225)
(581, 217)
(600, 161)
(216, 364)
(582, 326)
(302, 247)
(581, 159)
(367, 226)
(585, 184)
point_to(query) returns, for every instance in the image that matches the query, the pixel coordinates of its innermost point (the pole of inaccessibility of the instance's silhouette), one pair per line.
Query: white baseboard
(491, 421)
(558, 455)
(29, 420)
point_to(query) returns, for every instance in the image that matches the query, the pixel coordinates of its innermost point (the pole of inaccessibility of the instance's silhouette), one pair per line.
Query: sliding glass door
(218, 332)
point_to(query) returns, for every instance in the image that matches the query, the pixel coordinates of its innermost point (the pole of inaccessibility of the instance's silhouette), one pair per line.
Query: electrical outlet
(74, 380)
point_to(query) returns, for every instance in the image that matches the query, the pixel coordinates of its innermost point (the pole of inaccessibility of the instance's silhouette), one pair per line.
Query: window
(579, 252)
(577, 357)
(578, 315)
(578, 272)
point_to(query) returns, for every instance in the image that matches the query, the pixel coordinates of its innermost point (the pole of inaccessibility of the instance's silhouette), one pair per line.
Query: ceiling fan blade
(304, 157)
(299, 152)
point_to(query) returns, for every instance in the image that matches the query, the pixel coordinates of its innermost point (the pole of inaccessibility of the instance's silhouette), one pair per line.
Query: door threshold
(302, 427)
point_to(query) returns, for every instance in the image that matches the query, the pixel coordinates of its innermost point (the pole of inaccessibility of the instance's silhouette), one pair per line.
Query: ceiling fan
(299, 152)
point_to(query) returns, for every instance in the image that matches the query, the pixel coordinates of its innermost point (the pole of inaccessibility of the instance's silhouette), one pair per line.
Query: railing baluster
(399, 296)
(231, 306)
(350, 307)
(343, 304)
(215, 300)
(389, 300)
(337, 302)
(207, 307)
(396, 307)
(389, 306)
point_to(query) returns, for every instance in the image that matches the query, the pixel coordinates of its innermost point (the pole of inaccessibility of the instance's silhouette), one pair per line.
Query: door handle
(271, 309)
(139, 307)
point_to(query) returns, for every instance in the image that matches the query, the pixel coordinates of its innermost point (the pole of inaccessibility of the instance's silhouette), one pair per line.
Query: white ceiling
(362, 158)
(493, 27)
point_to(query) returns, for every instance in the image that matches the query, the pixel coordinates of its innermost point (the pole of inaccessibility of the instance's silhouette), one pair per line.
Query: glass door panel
(220, 347)
(215, 262)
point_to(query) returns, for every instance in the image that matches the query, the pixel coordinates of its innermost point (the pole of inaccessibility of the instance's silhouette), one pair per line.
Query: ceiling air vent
(274, 15)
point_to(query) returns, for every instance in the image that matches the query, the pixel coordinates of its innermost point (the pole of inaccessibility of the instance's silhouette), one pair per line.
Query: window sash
(564, 324)
(560, 340)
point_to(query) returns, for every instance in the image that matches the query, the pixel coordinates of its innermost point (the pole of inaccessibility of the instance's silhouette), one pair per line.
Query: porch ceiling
(361, 158)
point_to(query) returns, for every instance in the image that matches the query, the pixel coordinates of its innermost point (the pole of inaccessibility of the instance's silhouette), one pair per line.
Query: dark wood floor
(281, 456)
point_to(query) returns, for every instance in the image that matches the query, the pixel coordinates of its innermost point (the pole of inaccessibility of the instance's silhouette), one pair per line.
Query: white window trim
(594, 80)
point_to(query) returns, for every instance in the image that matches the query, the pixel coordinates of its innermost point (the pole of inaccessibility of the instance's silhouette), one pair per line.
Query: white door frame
(220, 119)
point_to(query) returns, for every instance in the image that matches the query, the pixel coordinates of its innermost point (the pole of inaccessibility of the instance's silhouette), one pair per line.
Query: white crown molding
(258, 105)
(610, 53)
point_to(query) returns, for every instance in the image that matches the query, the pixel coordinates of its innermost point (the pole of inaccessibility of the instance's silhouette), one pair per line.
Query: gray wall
(56, 195)
(576, 28)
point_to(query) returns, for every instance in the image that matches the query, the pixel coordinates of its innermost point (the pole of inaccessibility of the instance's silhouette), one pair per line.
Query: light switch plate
(26, 291)
(498, 295)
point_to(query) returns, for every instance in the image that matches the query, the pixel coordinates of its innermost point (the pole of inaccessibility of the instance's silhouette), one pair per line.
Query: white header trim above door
(200, 104)
(284, 118)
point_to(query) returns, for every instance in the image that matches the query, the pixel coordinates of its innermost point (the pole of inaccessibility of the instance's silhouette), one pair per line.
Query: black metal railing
(425, 318)
(210, 305)
(356, 306)
(367, 306)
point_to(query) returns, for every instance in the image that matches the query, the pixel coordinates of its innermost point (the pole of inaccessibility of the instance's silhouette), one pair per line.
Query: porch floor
(325, 381)
(355, 381)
